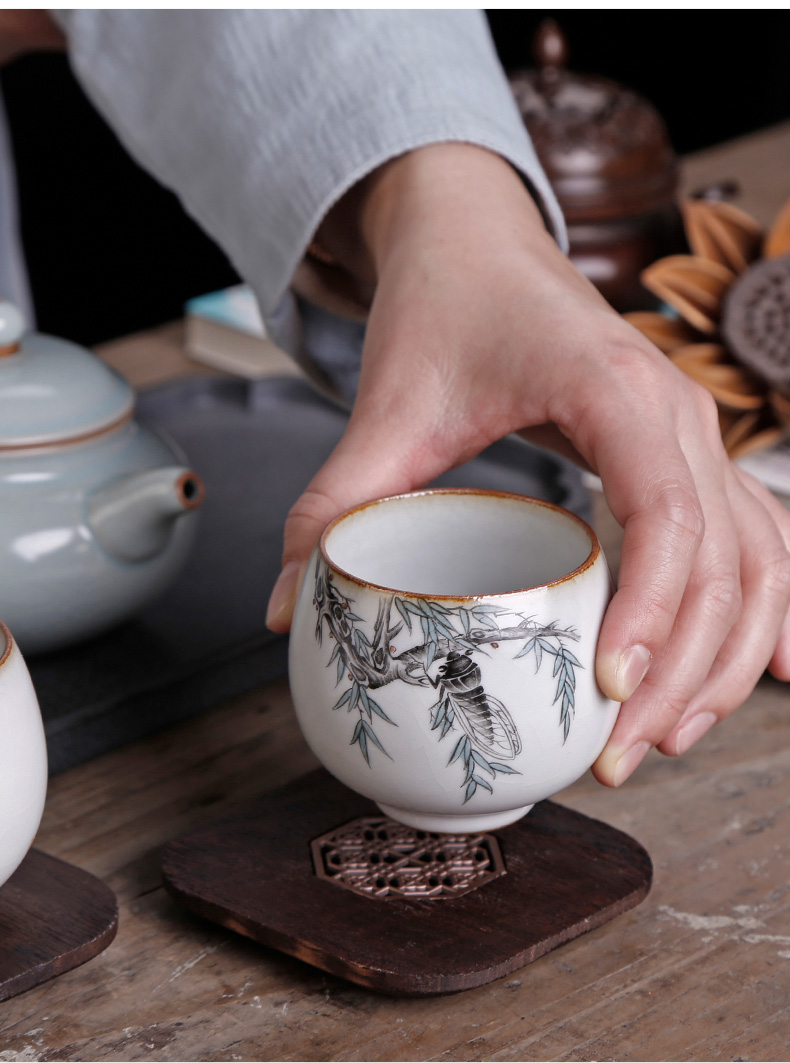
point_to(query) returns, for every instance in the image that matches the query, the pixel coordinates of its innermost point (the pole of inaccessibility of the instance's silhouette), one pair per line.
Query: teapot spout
(132, 517)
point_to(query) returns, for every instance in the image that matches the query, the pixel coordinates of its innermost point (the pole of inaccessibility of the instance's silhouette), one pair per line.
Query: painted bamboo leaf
(403, 612)
(363, 697)
(343, 699)
(377, 709)
(459, 749)
(481, 762)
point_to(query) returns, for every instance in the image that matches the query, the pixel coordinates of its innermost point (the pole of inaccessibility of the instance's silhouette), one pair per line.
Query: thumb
(368, 463)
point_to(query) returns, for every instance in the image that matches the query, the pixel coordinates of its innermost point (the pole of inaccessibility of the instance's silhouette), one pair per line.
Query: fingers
(760, 635)
(387, 449)
(779, 665)
(724, 635)
(682, 626)
(664, 526)
(358, 470)
(703, 594)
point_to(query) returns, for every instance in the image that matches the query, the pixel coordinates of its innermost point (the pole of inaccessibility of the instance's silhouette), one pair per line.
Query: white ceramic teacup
(23, 758)
(442, 655)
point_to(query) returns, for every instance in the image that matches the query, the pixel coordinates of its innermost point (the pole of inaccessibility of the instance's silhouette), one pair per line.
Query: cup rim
(9, 643)
(592, 557)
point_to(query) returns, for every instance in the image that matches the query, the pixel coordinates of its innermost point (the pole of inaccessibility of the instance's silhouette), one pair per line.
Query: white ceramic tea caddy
(442, 655)
(23, 758)
(96, 512)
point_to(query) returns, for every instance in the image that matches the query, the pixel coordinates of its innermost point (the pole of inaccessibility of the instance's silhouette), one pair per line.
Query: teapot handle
(12, 327)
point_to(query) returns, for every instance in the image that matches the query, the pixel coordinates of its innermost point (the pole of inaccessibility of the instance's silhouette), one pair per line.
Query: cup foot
(462, 824)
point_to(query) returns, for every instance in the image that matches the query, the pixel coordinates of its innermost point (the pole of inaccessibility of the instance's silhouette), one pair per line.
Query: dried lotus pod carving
(732, 295)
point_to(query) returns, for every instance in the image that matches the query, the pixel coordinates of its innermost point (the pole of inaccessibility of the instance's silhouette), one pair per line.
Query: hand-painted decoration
(485, 733)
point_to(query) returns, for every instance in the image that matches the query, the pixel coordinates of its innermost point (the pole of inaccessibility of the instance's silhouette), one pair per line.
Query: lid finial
(549, 50)
(12, 327)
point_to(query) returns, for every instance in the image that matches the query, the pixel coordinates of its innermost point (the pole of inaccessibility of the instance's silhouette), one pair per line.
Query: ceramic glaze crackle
(442, 655)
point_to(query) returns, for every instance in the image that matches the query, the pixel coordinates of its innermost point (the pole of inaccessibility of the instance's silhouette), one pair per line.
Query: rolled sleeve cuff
(261, 120)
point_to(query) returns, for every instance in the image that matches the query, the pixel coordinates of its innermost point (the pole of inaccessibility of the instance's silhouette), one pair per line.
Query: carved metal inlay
(377, 857)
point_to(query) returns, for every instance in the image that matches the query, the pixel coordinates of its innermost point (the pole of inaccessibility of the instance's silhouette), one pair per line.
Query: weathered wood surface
(699, 971)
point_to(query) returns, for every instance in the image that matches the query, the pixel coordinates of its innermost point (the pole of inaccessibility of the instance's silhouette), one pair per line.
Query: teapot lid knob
(12, 327)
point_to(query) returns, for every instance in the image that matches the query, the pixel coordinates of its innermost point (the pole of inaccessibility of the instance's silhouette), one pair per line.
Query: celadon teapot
(96, 512)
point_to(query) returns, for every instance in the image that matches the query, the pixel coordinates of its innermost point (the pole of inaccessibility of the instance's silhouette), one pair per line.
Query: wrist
(438, 189)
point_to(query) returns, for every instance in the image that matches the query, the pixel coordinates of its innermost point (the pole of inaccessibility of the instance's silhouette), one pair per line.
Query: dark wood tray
(53, 917)
(254, 871)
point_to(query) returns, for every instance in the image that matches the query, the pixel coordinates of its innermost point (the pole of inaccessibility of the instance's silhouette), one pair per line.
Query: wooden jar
(608, 156)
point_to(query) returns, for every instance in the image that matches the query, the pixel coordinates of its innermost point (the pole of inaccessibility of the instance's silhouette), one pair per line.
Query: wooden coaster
(53, 917)
(291, 871)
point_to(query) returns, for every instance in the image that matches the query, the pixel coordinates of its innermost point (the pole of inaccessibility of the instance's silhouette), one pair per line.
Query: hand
(480, 327)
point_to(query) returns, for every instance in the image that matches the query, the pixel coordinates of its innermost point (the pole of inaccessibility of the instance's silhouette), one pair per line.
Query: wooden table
(700, 971)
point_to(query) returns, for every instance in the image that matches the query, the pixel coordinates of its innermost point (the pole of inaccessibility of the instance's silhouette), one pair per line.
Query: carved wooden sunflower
(733, 334)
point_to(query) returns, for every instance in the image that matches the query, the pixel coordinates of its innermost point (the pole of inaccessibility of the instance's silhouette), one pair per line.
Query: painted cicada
(484, 718)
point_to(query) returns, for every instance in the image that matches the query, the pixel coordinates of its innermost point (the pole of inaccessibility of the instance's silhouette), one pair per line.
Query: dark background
(109, 251)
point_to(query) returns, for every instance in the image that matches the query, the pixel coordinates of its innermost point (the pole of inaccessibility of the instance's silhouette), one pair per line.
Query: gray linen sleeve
(261, 120)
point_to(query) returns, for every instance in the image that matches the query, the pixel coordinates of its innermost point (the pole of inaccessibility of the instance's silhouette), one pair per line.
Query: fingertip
(687, 734)
(616, 764)
(619, 674)
(282, 602)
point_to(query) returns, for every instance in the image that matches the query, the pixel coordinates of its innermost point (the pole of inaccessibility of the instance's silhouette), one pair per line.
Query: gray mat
(256, 445)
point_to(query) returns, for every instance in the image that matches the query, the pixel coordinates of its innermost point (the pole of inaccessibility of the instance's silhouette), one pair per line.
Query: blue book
(225, 330)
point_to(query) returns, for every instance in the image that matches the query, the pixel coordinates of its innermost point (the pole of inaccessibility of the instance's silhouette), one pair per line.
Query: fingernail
(283, 597)
(631, 670)
(692, 731)
(629, 762)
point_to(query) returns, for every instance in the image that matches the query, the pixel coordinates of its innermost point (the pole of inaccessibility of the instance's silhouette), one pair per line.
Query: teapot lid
(52, 391)
(604, 148)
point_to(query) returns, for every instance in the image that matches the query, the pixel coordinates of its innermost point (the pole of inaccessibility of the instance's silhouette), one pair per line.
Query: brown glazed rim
(68, 441)
(592, 557)
(9, 643)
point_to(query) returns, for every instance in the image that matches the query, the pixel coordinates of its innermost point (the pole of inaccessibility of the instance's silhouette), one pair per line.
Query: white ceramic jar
(442, 656)
(23, 758)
